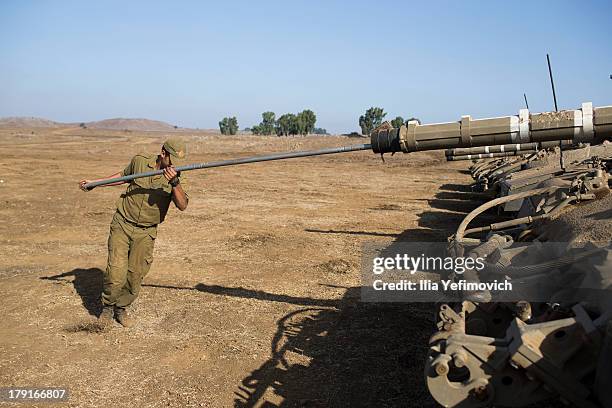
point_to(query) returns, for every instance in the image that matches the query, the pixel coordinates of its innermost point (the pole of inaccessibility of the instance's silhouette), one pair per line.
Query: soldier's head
(173, 152)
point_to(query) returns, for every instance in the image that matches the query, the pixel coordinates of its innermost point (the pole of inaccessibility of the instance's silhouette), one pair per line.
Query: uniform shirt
(146, 200)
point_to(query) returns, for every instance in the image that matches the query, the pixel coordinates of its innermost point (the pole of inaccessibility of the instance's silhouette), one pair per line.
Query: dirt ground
(253, 297)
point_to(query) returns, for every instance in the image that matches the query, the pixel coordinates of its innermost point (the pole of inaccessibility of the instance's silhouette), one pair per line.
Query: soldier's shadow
(87, 284)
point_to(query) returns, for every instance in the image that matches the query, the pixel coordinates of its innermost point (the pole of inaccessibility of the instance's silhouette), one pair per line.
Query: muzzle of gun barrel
(385, 141)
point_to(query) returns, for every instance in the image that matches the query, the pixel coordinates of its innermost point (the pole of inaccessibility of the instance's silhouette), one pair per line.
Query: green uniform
(133, 231)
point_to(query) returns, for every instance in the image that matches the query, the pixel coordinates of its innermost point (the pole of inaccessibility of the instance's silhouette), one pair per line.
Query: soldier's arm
(179, 196)
(126, 172)
(116, 175)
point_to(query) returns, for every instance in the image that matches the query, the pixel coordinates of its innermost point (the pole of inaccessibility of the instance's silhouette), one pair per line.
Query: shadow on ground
(354, 353)
(447, 209)
(88, 285)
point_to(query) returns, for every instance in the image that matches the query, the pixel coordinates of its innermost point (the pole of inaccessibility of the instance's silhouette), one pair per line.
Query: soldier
(133, 229)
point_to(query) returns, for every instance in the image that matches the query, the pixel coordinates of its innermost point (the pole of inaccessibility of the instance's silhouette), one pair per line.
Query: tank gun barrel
(584, 125)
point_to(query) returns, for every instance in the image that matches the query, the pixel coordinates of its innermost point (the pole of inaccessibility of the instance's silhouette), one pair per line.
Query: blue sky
(191, 63)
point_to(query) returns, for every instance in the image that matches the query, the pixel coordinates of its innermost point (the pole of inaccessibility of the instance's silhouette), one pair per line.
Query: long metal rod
(234, 162)
(489, 155)
(513, 147)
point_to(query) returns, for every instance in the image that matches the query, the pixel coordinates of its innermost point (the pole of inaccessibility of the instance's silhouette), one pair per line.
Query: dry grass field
(253, 297)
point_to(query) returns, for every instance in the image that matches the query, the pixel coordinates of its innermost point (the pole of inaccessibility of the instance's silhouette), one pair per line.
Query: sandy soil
(253, 297)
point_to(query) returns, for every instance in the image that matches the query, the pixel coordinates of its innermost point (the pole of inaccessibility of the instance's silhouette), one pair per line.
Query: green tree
(233, 123)
(397, 122)
(228, 126)
(306, 121)
(300, 124)
(372, 118)
(287, 125)
(268, 122)
(267, 126)
(223, 126)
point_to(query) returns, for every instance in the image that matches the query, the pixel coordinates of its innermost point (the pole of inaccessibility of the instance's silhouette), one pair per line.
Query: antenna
(526, 103)
(552, 84)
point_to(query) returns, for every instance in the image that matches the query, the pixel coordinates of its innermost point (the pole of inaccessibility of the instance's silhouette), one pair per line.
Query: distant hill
(145, 125)
(27, 122)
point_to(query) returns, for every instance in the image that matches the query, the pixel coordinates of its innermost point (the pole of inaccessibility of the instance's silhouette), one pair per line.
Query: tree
(287, 125)
(319, 131)
(373, 118)
(228, 126)
(397, 122)
(233, 126)
(267, 125)
(306, 121)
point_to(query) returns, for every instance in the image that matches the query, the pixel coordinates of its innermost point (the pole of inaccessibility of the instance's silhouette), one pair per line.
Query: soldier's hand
(170, 173)
(82, 185)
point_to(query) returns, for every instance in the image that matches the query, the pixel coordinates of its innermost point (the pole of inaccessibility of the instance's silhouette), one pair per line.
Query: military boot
(123, 317)
(106, 317)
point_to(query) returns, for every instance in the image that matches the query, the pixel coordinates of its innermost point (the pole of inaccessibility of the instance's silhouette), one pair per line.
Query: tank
(552, 338)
